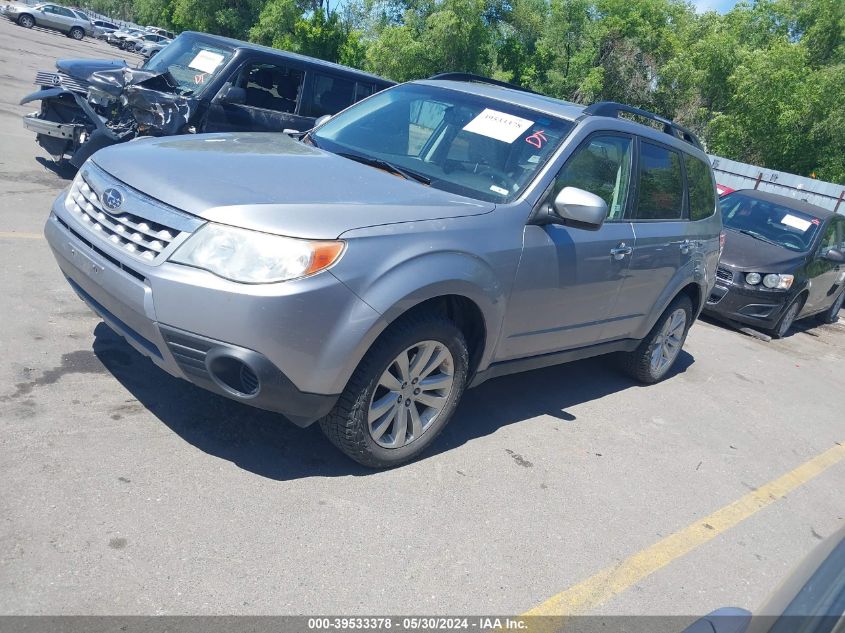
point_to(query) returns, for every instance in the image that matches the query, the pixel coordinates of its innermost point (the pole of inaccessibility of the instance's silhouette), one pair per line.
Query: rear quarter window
(702, 196)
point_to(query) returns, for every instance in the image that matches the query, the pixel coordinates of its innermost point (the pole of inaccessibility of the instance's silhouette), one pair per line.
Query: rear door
(568, 278)
(329, 93)
(661, 227)
(273, 100)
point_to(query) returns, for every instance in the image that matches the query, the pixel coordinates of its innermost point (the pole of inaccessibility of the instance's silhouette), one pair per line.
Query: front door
(273, 97)
(568, 278)
(826, 277)
(49, 17)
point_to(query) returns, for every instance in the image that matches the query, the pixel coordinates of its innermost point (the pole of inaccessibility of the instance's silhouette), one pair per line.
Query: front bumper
(205, 329)
(66, 131)
(760, 308)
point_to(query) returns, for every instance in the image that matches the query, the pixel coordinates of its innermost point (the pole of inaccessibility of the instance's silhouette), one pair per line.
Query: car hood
(270, 182)
(744, 252)
(84, 68)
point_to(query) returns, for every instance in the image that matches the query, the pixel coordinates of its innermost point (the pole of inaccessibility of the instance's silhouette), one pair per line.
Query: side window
(64, 12)
(702, 198)
(829, 239)
(602, 166)
(272, 87)
(660, 195)
(48, 8)
(331, 95)
(362, 91)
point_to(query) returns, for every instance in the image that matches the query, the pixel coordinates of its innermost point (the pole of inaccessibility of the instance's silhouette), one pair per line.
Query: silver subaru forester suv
(435, 235)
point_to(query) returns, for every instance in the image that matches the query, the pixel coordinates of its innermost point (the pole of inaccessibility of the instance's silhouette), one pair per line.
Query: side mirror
(322, 120)
(232, 94)
(580, 208)
(836, 256)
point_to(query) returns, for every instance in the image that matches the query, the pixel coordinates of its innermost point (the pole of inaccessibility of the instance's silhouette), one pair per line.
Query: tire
(77, 33)
(789, 316)
(831, 315)
(366, 420)
(643, 363)
(26, 21)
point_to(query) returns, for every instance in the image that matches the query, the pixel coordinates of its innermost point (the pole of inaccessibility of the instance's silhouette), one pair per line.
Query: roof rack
(479, 79)
(612, 109)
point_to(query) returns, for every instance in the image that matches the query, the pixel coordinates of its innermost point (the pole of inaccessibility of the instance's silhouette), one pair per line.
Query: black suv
(198, 83)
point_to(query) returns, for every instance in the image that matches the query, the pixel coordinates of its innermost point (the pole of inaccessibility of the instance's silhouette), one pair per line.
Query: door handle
(620, 251)
(684, 245)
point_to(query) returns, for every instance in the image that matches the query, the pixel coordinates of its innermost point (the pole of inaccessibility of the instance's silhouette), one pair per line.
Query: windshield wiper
(757, 236)
(378, 163)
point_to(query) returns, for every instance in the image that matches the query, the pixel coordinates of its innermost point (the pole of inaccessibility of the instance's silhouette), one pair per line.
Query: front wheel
(655, 355)
(783, 326)
(77, 33)
(831, 315)
(26, 21)
(402, 394)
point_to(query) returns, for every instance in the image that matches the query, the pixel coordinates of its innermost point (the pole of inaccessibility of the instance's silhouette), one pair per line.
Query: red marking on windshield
(537, 139)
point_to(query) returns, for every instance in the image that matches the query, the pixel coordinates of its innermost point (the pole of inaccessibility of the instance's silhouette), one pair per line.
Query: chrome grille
(140, 226)
(53, 80)
(724, 274)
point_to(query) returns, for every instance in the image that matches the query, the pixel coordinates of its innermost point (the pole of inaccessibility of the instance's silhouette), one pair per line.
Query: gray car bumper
(256, 344)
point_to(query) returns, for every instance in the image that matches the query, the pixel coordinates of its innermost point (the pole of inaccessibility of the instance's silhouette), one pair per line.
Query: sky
(722, 6)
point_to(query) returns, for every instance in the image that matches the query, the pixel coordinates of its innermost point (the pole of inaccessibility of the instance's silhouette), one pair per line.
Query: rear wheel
(655, 355)
(26, 21)
(831, 315)
(77, 33)
(402, 394)
(785, 323)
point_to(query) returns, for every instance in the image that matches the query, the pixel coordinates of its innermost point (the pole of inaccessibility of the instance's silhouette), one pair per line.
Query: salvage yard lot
(127, 491)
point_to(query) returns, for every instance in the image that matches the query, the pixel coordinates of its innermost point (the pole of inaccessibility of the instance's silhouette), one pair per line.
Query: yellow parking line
(614, 580)
(23, 236)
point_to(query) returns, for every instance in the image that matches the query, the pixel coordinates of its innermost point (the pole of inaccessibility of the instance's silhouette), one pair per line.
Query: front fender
(46, 93)
(413, 274)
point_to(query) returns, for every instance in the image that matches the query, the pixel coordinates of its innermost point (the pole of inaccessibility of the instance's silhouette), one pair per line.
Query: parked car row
(135, 39)
(77, 24)
(72, 22)
(399, 243)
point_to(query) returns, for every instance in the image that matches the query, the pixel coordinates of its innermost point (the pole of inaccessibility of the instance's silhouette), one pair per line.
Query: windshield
(769, 221)
(466, 144)
(190, 61)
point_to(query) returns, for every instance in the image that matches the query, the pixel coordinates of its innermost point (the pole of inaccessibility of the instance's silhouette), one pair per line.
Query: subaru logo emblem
(112, 198)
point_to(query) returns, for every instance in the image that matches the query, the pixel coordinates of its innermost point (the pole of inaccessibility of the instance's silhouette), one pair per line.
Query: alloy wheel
(668, 344)
(410, 394)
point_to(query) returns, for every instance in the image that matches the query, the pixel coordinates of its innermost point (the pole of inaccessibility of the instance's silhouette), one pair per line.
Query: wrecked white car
(198, 83)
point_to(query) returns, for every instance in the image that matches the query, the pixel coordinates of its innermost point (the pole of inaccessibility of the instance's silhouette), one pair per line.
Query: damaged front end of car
(87, 105)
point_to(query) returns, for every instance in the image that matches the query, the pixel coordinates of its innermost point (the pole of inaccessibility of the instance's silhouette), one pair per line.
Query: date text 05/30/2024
(417, 623)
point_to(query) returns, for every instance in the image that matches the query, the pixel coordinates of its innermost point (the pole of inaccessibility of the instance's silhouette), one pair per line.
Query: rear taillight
(722, 237)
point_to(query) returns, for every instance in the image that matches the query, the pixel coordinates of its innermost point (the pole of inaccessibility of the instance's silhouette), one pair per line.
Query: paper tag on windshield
(796, 222)
(206, 61)
(498, 125)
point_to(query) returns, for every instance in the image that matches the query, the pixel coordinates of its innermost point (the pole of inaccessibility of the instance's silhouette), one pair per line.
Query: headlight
(779, 282)
(255, 258)
(753, 279)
